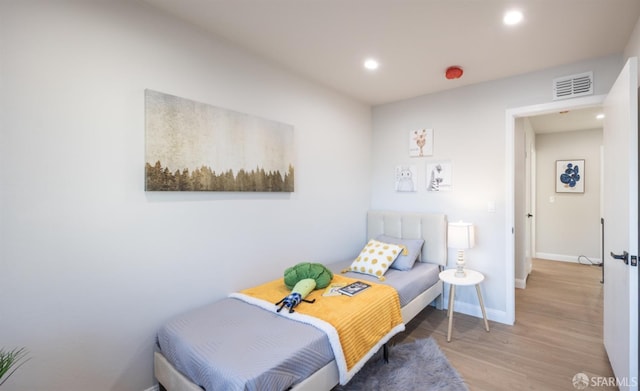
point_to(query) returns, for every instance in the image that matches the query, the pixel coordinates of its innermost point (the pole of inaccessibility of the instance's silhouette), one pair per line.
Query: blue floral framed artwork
(570, 176)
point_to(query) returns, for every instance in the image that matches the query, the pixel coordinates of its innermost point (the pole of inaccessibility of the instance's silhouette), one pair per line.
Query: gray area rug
(413, 366)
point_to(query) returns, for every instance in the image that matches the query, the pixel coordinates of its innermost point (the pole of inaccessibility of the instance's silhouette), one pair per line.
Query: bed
(255, 353)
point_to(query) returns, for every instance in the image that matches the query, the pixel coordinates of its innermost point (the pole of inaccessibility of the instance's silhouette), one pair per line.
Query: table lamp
(460, 236)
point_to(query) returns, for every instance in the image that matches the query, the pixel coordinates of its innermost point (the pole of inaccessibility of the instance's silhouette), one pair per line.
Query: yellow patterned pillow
(375, 258)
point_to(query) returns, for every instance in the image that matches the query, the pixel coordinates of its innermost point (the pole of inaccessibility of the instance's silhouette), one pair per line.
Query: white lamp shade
(461, 235)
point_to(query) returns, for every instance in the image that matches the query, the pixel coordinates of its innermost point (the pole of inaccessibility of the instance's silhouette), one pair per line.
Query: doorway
(568, 216)
(512, 115)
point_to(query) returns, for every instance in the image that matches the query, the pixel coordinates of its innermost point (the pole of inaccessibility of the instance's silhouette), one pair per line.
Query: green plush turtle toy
(302, 279)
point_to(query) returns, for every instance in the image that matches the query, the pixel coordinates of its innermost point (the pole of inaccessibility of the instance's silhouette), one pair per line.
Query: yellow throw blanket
(357, 326)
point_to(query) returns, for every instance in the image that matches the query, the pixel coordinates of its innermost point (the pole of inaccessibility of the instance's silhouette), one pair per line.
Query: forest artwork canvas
(193, 146)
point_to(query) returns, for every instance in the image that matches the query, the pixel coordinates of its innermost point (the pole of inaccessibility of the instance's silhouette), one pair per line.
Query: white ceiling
(583, 119)
(414, 40)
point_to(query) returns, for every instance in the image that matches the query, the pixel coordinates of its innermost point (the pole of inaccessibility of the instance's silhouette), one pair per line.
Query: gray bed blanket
(231, 345)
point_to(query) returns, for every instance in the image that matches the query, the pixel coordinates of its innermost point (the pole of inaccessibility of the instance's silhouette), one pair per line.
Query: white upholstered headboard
(431, 227)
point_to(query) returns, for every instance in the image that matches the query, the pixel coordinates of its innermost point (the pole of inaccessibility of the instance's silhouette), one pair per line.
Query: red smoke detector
(454, 72)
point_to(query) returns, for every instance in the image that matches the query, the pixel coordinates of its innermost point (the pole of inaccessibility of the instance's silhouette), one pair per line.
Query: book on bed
(333, 289)
(354, 288)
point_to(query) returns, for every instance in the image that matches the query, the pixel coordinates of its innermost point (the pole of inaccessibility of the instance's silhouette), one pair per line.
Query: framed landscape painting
(193, 146)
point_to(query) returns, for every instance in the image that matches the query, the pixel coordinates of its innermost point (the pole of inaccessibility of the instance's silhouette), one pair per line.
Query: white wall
(633, 46)
(570, 225)
(90, 264)
(469, 129)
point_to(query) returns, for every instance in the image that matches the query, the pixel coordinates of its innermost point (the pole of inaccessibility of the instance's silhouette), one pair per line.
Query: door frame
(510, 121)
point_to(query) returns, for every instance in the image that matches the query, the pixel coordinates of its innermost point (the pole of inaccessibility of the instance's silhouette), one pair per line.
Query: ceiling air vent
(573, 86)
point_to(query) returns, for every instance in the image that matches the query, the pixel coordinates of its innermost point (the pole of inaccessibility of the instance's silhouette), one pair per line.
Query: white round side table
(472, 277)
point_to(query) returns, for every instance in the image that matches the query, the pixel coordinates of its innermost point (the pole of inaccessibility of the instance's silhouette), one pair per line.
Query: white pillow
(375, 258)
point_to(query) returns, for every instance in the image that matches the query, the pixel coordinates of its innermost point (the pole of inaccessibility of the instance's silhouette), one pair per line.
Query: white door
(621, 226)
(529, 202)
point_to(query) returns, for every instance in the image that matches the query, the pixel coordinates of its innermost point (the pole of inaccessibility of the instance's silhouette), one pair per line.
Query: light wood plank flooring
(558, 333)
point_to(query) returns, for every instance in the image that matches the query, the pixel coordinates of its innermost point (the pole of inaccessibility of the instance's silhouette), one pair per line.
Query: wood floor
(558, 333)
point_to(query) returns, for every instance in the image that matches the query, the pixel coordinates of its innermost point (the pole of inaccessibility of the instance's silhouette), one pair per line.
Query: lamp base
(460, 265)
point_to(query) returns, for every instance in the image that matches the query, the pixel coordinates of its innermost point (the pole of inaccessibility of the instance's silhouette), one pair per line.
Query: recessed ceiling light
(600, 116)
(512, 17)
(371, 64)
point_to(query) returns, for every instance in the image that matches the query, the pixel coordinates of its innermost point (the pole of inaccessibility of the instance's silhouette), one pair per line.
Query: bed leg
(439, 302)
(385, 353)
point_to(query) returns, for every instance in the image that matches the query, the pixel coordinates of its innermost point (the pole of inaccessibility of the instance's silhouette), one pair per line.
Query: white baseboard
(521, 283)
(154, 388)
(565, 258)
(474, 310)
